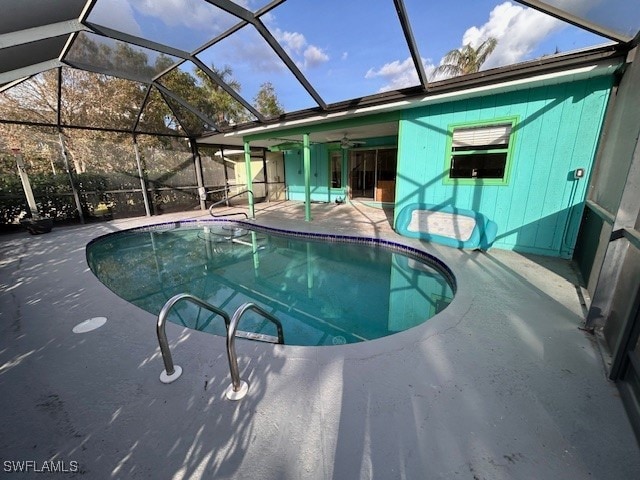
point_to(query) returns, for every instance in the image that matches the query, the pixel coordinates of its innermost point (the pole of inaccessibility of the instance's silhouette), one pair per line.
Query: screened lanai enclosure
(105, 100)
(123, 108)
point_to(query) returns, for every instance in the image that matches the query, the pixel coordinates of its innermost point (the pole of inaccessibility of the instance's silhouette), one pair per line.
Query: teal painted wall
(320, 191)
(539, 210)
(406, 309)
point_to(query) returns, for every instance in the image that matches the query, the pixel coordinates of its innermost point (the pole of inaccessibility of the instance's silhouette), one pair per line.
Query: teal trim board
(538, 208)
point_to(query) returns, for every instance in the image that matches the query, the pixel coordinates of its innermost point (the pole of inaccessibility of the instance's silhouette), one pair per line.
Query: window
(480, 152)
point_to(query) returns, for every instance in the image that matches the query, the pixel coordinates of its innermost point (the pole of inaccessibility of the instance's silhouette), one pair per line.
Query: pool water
(323, 292)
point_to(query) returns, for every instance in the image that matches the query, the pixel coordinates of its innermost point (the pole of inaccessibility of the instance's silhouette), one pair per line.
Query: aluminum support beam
(26, 185)
(626, 220)
(59, 103)
(184, 104)
(273, 43)
(226, 176)
(247, 163)
(197, 164)
(97, 129)
(143, 183)
(141, 109)
(411, 42)
(580, 22)
(14, 83)
(249, 17)
(183, 55)
(29, 71)
(104, 71)
(306, 158)
(218, 81)
(234, 9)
(76, 196)
(29, 35)
(86, 11)
(134, 40)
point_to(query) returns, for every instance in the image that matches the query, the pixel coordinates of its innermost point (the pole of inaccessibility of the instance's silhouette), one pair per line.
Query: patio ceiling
(144, 42)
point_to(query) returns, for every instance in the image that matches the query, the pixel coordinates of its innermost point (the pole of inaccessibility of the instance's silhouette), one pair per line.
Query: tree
(466, 59)
(218, 103)
(185, 86)
(87, 100)
(266, 101)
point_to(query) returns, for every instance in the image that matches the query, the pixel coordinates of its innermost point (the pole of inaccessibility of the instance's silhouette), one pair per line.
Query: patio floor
(500, 385)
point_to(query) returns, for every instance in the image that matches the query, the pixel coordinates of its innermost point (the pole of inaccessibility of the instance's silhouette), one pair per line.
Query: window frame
(448, 180)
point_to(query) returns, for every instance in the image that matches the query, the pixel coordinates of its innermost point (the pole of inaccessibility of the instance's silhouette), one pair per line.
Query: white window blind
(482, 136)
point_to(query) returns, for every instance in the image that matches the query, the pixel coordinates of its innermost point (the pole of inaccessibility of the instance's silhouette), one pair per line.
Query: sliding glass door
(372, 174)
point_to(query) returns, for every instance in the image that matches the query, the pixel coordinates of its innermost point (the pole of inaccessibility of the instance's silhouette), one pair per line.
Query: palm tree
(466, 59)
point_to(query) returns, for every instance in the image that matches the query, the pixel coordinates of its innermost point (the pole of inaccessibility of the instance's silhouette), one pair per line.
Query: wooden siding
(539, 210)
(320, 191)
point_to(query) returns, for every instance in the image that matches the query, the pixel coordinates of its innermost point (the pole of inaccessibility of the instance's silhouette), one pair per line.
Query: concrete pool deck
(501, 385)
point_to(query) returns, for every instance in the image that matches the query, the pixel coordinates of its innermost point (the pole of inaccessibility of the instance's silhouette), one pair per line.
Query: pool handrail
(237, 385)
(226, 200)
(172, 373)
(238, 388)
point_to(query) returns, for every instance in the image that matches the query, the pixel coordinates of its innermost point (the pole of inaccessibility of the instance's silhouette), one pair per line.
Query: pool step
(260, 337)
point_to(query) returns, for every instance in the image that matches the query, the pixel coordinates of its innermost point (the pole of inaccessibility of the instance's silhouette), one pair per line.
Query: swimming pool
(325, 289)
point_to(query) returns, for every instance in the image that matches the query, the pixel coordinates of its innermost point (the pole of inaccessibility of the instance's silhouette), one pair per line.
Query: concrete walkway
(500, 385)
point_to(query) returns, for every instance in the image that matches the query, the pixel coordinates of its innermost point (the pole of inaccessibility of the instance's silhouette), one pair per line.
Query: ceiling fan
(345, 143)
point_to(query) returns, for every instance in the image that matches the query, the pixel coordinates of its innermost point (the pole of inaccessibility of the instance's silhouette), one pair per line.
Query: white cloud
(258, 55)
(292, 42)
(391, 69)
(518, 30)
(187, 13)
(195, 14)
(399, 74)
(116, 14)
(314, 56)
(295, 44)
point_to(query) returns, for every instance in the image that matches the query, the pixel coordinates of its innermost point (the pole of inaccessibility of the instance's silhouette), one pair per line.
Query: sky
(348, 48)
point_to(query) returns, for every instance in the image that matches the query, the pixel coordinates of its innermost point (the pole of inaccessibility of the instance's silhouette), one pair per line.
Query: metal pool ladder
(226, 200)
(238, 388)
